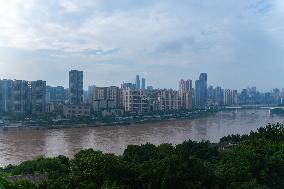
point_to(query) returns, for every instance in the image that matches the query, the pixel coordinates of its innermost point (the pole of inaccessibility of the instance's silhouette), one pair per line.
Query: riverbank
(117, 121)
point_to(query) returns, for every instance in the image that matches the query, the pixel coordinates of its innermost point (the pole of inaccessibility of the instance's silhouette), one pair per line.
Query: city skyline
(147, 84)
(21, 97)
(112, 41)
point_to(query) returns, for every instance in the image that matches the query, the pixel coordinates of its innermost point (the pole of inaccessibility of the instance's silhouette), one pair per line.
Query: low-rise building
(74, 110)
(54, 107)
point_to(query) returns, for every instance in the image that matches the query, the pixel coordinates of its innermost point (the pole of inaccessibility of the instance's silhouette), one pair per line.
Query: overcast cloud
(237, 42)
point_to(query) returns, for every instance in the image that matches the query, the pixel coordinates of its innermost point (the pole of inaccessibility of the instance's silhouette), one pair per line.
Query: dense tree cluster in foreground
(254, 161)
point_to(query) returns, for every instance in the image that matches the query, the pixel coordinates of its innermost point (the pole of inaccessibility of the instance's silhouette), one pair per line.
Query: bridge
(268, 107)
(254, 107)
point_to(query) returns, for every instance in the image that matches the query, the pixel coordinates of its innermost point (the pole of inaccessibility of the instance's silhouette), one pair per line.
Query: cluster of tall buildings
(36, 98)
(249, 96)
(137, 98)
(140, 84)
(22, 97)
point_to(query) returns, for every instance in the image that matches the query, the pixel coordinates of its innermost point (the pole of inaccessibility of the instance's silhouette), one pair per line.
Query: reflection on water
(17, 145)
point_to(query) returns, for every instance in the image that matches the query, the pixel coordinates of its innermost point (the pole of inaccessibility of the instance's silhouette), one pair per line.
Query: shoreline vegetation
(253, 161)
(107, 121)
(48, 121)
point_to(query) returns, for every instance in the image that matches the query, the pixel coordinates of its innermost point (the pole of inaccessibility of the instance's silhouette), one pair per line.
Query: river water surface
(17, 145)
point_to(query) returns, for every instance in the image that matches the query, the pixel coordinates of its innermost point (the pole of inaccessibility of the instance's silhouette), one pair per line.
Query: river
(21, 144)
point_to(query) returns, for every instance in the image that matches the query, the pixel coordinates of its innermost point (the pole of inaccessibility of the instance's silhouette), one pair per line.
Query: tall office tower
(143, 87)
(20, 97)
(201, 90)
(38, 97)
(137, 82)
(76, 87)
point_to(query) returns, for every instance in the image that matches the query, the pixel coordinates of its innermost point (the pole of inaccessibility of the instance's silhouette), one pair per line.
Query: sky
(239, 43)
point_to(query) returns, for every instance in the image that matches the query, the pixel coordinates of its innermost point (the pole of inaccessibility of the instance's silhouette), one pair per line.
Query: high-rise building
(6, 95)
(91, 90)
(55, 94)
(235, 97)
(185, 86)
(100, 101)
(134, 101)
(114, 94)
(137, 82)
(76, 87)
(106, 98)
(66, 95)
(201, 90)
(210, 95)
(276, 96)
(143, 82)
(230, 97)
(1, 97)
(185, 93)
(38, 97)
(169, 100)
(186, 100)
(282, 97)
(218, 96)
(20, 97)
